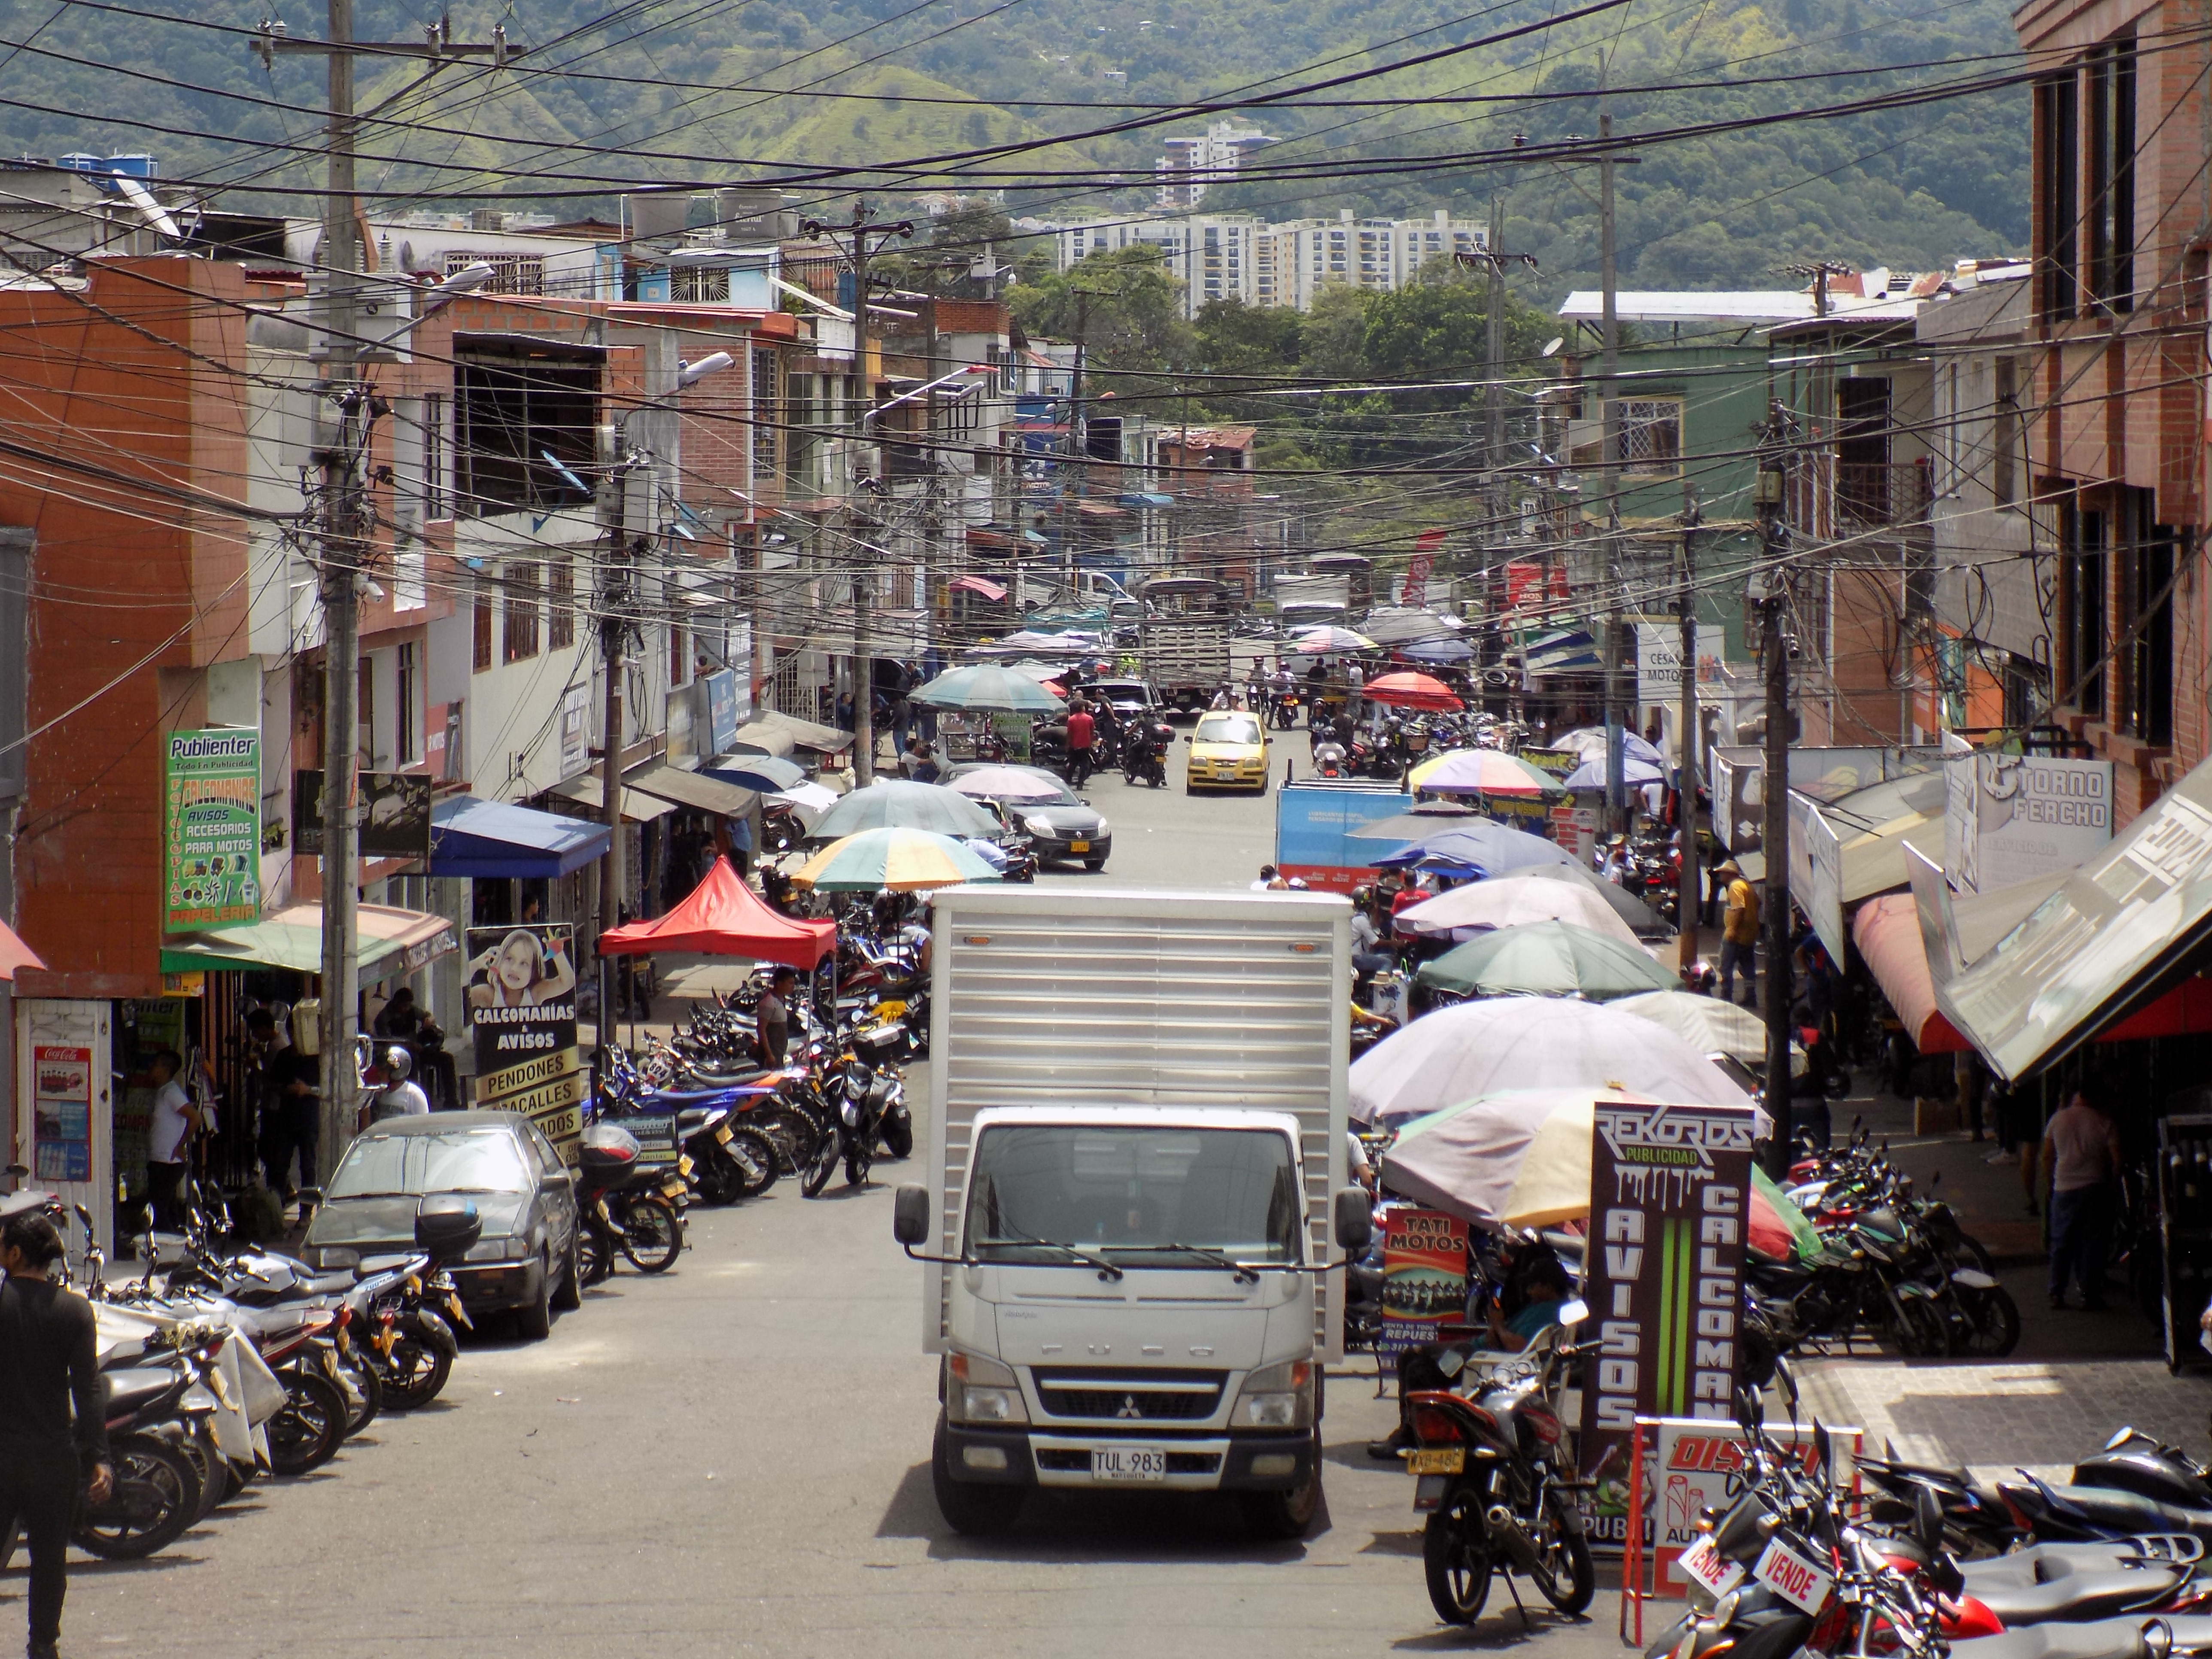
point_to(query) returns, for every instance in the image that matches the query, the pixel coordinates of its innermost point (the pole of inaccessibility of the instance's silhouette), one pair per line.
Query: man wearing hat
(1738, 934)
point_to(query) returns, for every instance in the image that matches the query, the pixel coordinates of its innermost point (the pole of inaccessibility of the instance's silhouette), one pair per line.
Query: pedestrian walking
(2080, 1155)
(49, 1364)
(177, 1123)
(1081, 729)
(1740, 936)
(291, 1105)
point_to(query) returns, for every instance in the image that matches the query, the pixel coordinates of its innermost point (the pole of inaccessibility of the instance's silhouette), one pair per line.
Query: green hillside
(722, 90)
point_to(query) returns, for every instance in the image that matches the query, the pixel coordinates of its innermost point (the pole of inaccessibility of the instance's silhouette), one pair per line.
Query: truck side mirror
(910, 1215)
(1355, 1220)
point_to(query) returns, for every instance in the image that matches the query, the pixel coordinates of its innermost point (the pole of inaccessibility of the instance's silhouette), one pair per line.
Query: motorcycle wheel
(416, 1373)
(790, 1131)
(755, 1156)
(156, 1497)
(719, 1179)
(1455, 1559)
(1992, 1325)
(310, 1426)
(816, 1176)
(653, 1235)
(898, 1136)
(596, 1256)
(370, 1388)
(860, 1160)
(1920, 1331)
(1573, 1579)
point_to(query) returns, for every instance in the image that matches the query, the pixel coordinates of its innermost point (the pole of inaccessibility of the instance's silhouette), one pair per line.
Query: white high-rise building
(1230, 256)
(1212, 157)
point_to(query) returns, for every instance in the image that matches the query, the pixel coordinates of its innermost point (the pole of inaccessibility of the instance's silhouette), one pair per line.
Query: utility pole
(1616, 787)
(346, 525)
(1494, 261)
(860, 241)
(1687, 908)
(1774, 783)
(1077, 448)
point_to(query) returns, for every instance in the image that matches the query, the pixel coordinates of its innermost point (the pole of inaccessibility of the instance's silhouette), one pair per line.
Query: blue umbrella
(1477, 848)
(1446, 650)
(1634, 772)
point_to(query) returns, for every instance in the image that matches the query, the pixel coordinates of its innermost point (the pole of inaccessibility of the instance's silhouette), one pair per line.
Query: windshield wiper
(1105, 1268)
(1242, 1273)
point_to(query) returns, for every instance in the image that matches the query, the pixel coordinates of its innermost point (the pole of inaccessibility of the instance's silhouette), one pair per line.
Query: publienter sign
(210, 830)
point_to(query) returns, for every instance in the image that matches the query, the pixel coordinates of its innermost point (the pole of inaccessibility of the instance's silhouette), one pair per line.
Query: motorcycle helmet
(397, 1064)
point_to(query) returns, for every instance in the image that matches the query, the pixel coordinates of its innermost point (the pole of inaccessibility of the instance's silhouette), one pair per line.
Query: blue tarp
(492, 840)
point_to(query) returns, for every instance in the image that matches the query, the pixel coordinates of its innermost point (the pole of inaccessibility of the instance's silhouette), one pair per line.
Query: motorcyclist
(401, 1095)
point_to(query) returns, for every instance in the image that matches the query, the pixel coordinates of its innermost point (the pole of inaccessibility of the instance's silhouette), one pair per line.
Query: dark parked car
(527, 1257)
(1060, 825)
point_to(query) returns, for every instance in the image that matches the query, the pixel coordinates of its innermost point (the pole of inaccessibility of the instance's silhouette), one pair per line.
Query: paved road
(733, 1458)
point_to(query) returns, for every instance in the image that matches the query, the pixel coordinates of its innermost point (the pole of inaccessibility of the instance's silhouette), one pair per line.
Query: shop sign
(1424, 1276)
(1669, 1190)
(1824, 894)
(210, 830)
(61, 1114)
(1659, 660)
(1688, 1466)
(721, 712)
(395, 814)
(521, 998)
(2018, 817)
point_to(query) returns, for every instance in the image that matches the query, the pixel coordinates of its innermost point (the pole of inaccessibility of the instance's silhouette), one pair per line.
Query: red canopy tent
(1410, 690)
(725, 918)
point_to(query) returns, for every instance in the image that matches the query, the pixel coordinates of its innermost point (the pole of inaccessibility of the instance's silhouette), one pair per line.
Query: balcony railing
(1881, 493)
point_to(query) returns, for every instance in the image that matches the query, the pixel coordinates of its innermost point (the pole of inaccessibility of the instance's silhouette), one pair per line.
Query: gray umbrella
(1642, 920)
(896, 805)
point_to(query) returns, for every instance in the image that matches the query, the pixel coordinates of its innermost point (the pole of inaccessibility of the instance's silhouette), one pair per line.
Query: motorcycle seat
(2073, 1597)
(2042, 1563)
(2108, 1638)
(132, 1391)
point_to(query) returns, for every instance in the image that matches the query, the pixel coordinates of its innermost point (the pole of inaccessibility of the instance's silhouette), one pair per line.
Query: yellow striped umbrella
(903, 860)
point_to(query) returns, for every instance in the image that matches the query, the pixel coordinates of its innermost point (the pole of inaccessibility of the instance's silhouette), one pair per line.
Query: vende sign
(2010, 818)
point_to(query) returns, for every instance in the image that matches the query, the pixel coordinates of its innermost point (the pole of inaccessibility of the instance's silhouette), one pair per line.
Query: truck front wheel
(967, 1506)
(1282, 1515)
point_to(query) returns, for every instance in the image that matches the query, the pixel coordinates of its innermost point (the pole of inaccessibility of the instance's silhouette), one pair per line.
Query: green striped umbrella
(903, 860)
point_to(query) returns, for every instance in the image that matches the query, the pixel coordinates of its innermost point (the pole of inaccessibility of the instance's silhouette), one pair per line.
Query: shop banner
(522, 1020)
(1659, 660)
(1669, 1191)
(61, 1114)
(721, 692)
(395, 814)
(2010, 818)
(210, 830)
(1424, 1276)
(1555, 763)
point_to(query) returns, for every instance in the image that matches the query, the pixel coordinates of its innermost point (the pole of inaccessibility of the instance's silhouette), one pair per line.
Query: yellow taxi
(1228, 749)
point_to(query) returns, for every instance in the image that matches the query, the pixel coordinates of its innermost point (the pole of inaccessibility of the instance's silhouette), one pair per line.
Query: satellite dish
(1554, 344)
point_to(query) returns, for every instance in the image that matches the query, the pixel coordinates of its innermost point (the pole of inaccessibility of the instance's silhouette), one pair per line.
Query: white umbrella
(1315, 640)
(1484, 1047)
(1708, 1024)
(1465, 911)
(1520, 1158)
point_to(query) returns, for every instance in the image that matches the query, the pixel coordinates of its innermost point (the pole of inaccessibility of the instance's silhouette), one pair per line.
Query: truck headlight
(1279, 1397)
(980, 1391)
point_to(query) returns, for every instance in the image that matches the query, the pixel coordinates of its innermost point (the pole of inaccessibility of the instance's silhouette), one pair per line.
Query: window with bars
(524, 427)
(480, 659)
(408, 735)
(1651, 435)
(699, 284)
(2058, 191)
(560, 612)
(434, 455)
(764, 365)
(520, 643)
(510, 273)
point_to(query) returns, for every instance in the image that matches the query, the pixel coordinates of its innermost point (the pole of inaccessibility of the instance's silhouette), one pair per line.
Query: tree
(1128, 307)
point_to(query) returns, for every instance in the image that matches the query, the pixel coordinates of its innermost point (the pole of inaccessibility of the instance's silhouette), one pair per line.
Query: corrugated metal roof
(1733, 305)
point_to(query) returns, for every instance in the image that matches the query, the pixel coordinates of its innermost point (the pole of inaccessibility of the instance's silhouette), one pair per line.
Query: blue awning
(1146, 498)
(490, 839)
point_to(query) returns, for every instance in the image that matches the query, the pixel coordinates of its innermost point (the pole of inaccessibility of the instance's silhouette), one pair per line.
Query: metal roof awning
(981, 587)
(497, 841)
(636, 806)
(693, 789)
(771, 733)
(2124, 928)
(393, 943)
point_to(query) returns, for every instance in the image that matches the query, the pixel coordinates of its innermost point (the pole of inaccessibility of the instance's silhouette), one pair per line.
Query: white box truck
(1135, 1201)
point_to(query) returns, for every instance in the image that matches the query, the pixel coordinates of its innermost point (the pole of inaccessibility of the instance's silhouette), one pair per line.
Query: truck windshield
(1148, 1195)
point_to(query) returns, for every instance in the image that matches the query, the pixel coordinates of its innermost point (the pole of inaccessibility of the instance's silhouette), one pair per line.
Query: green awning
(393, 943)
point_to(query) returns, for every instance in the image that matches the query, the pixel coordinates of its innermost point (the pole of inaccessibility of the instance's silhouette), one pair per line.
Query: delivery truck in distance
(1135, 1210)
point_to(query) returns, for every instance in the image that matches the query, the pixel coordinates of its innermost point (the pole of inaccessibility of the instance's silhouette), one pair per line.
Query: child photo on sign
(528, 967)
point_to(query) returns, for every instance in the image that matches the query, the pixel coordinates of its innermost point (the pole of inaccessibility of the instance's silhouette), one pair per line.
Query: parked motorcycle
(628, 1208)
(1487, 1462)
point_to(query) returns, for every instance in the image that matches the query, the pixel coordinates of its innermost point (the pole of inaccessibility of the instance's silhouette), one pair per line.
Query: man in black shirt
(48, 1362)
(291, 1104)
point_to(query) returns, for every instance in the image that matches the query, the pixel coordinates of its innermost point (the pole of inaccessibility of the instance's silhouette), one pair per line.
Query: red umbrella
(1412, 691)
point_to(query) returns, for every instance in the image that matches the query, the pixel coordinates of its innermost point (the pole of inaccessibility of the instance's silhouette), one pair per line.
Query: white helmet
(398, 1063)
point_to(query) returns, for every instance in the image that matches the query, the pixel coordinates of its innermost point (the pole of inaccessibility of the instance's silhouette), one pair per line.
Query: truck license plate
(1129, 1463)
(1078, 846)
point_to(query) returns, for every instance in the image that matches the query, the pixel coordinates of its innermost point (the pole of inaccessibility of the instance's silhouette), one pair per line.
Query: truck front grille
(1132, 1396)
